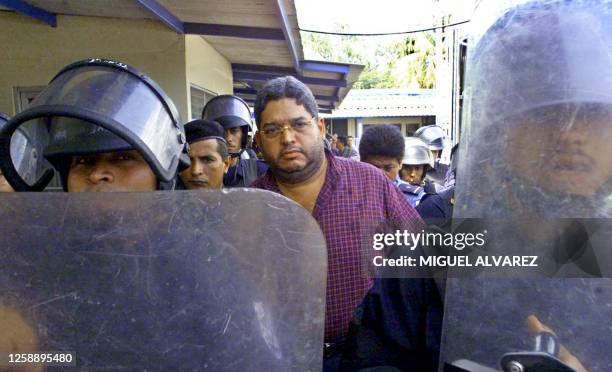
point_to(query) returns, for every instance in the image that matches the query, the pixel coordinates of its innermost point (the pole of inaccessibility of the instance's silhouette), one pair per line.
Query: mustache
(291, 149)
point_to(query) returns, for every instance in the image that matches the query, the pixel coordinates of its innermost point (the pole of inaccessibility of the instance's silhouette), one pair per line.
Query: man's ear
(226, 164)
(321, 126)
(258, 139)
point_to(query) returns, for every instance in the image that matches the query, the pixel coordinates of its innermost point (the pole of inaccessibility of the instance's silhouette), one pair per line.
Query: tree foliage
(390, 62)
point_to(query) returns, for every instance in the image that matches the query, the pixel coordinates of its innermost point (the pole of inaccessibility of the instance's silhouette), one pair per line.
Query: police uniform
(245, 171)
(412, 193)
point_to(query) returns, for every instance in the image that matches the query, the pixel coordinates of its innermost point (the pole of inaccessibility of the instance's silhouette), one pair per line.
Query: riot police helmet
(231, 112)
(90, 107)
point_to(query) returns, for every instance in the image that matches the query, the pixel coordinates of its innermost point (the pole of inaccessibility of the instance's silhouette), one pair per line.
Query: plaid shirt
(353, 192)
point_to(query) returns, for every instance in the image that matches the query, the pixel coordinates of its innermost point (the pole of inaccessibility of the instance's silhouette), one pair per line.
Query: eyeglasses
(298, 126)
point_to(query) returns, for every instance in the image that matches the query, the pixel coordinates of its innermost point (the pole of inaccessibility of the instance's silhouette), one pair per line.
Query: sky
(376, 16)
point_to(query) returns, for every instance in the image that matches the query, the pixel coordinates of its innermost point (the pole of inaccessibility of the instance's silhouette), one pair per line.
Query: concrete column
(359, 127)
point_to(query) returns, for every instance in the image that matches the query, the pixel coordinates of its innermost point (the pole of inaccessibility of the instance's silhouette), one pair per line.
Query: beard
(294, 174)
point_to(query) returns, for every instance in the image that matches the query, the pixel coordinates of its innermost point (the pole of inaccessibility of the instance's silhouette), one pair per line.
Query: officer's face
(390, 166)
(4, 185)
(413, 174)
(233, 136)
(435, 153)
(109, 172)
(563, 148)
(207, 167)
(296, 152)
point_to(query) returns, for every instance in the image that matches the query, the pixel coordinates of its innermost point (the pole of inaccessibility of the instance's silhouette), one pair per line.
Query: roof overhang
(260, 39)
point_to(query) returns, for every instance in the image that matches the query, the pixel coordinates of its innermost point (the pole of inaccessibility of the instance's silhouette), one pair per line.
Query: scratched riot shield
(198, 280)
(487, 324)
(535, 147)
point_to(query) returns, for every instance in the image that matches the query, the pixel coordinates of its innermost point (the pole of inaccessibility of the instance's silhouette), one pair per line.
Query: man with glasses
(341, 194)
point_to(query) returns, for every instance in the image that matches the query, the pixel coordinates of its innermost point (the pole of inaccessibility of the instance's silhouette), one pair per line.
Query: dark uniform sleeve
(431, 206)
(399, 324)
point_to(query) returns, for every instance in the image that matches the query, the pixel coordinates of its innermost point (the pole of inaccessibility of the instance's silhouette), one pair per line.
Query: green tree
(389, 63)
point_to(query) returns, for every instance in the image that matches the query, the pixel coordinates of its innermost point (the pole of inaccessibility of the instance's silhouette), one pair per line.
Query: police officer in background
(83, 125)
(234, 115)
(418, 159)
(538, 118)
(435, 138)
(208, 154)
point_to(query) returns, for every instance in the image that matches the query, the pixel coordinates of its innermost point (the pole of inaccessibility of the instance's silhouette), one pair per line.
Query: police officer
(104, 126)
(538, 117)
(435, 138)
(437, 208)
(208, 154)
(418, 159)
(234, 115)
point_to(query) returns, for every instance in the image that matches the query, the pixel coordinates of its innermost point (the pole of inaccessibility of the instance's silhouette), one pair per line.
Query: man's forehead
(284, 109)
(203, 146)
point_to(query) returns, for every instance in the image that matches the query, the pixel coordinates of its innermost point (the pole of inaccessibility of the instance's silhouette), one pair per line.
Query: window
(199, 99)
(337, 126)
(24, 96)
(428, 120)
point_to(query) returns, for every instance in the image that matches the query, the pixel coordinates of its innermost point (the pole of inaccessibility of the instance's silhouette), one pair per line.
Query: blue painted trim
(257, 76)
(32, 11)
(163, 14)
(251, 91)
(325, 67)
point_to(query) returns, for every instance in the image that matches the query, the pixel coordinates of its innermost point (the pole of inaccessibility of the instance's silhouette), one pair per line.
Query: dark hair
(198, 130)
(382, 140)
(343, 140)
(285, 87)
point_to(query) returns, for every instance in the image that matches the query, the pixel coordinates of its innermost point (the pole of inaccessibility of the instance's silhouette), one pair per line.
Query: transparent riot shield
(216, 280)
(535, 143)
(485, 324)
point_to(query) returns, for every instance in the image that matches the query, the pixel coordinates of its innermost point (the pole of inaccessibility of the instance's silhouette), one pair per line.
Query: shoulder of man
(407, 188)
(265, 182)
(431, 201)
(368, 177)
(435, 210)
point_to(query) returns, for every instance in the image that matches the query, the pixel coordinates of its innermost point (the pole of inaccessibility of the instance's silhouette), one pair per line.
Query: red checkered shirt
(353, 192)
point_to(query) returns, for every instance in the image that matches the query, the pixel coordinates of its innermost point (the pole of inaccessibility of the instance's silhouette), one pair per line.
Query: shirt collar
(332, 175)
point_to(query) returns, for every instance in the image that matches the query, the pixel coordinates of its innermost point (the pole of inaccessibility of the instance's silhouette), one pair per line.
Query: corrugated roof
(387, 103)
